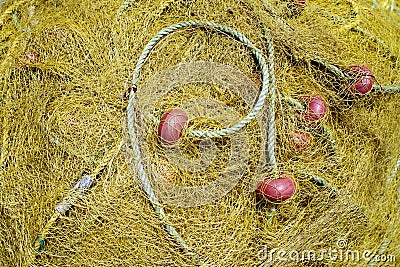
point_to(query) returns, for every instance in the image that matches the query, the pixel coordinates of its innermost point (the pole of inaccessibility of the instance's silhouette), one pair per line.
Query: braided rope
(146, 186)
(275, 15)
(387, 88)
(338, 72)
(380, 251)
(318, 180)
(294, 102)
(233, 33)
(392, 6)
(271, 121)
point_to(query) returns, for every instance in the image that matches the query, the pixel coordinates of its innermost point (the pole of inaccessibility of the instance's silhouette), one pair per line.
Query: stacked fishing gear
(190, 133)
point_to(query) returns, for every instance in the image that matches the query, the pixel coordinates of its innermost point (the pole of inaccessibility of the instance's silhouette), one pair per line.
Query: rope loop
(265, 68)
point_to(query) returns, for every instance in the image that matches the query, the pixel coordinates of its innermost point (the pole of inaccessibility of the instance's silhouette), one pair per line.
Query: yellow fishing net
(71, 193)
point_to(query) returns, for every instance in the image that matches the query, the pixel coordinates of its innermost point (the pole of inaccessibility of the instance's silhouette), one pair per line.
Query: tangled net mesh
(65, 69)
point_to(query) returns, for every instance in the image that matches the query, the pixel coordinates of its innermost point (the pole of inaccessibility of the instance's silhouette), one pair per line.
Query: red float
(315, 112)
(316, 109)
(171, 126)
(276, 190)
(301, 140)
(364, 79)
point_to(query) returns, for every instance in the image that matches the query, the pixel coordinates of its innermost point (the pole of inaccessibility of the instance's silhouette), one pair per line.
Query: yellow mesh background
(64, 67)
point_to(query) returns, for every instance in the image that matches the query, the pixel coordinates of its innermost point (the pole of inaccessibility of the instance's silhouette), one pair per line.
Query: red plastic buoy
(301, 140)
(315, 111)
(171, 126)
(364, 79)
(276, 190)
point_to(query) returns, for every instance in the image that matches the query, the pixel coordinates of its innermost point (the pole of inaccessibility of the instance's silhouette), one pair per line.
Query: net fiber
(70, 191)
